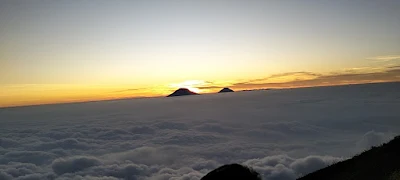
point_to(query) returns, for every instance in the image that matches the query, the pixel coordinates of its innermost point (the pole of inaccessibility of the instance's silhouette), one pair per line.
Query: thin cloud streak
(309, 79)
(289, 74)
(130, 90)
(326, 80)
(385, 58)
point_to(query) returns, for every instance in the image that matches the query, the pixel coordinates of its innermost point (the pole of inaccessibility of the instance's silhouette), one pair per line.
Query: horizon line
(159, 96)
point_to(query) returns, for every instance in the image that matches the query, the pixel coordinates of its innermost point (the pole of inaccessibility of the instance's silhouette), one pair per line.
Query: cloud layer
(283, 134)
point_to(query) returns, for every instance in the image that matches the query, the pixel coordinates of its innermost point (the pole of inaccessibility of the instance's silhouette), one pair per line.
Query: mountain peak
(182, 92)
(224, 90)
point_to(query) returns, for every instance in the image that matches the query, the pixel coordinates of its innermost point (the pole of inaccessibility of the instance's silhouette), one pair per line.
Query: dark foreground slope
(378, 163)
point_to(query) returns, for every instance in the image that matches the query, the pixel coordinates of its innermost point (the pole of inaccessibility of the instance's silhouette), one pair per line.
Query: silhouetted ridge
(232, 172)
(381, 163)
(226, 90)
(182, 92)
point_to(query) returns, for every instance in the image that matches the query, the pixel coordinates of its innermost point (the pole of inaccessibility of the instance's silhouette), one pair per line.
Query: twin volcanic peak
(185, 92)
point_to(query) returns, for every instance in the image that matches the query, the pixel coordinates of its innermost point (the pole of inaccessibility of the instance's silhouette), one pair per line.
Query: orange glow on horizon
(96, 95)
(35, 94)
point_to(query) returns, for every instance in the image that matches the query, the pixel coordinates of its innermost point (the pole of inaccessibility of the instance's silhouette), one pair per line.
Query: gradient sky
(80, 50)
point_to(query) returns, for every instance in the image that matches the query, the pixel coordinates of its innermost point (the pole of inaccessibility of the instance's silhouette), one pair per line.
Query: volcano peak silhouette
(182, 92)
(226, 90)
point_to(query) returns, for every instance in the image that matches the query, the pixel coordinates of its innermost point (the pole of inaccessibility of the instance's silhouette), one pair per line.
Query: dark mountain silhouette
(378, 163)
(226, 90)
(381, 163)
(232, 172)
(182, 92)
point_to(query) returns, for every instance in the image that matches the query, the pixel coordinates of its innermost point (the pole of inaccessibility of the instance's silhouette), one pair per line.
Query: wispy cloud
(385, 58)
(394, 67)
(211, 87)
(289, 76)
(129, 90)
(357, 75)
(327, 79)
(363, 70)
(204, 86)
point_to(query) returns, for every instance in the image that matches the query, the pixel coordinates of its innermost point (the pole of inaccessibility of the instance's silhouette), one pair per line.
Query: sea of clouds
(282, 134)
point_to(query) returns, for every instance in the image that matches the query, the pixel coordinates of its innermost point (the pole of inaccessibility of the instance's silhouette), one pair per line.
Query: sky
(282, 134)
(84, 50)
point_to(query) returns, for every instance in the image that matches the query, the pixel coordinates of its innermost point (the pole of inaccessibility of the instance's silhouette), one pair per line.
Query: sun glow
(193, 89)
(192, 85)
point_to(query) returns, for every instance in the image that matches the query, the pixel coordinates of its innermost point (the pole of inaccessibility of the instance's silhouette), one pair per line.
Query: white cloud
(309, 164)
(19, 169)
(145, 155)
(73, 164)
(284, 167)
(373, 138)
(5, 176)
(34, 177)
(34, 157)
(88, 178)
(7, 143)
(282, 134)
